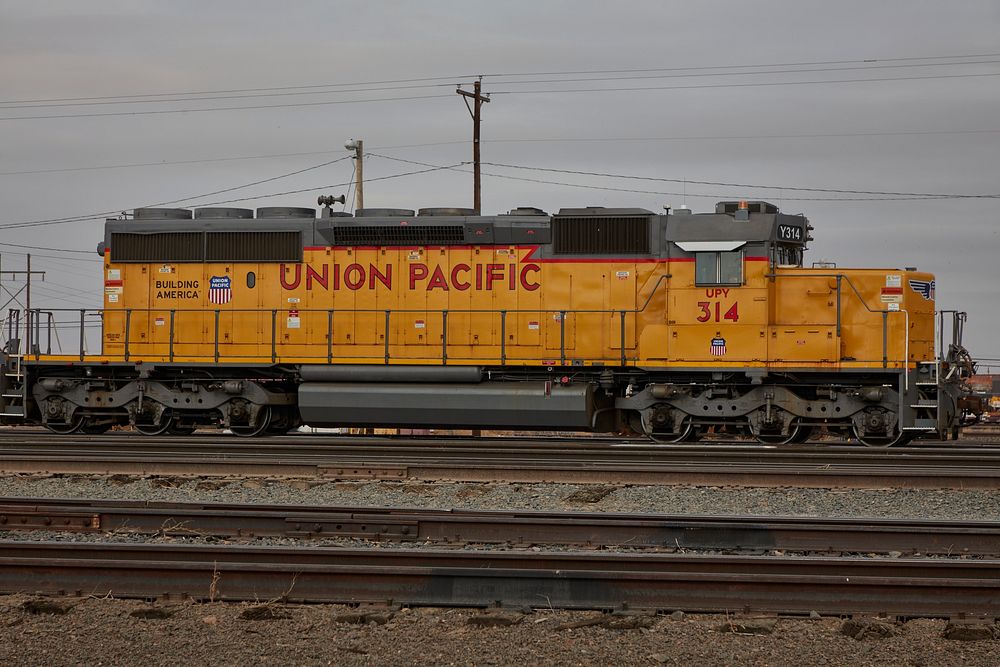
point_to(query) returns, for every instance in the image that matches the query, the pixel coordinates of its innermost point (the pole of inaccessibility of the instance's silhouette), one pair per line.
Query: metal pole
(274, 336)
(359, 153)
(444, 337)
(503, 337)
(82, 317)
(386, 337)
(329, 336)
(838, 306)
(562, 337)
(885, 339)
(623, 337)
(216, 335)
(128, 328)
(171, 342)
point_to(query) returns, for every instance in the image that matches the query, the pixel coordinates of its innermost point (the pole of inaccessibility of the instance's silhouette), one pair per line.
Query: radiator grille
(166, 247)
(211, 247)
(253, 247)
(371, 235)
(600, 236)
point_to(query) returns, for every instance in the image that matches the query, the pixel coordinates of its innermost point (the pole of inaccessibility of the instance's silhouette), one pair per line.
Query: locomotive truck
(592, 319)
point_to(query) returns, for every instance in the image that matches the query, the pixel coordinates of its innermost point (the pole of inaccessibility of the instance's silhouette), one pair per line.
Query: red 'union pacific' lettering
(420, 276)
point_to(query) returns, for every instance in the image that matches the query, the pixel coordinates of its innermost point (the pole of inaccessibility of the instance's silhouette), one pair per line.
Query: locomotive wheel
(67, 428)
(249, 431)
(881, 440)
(153, 429)
(686, 432)
(282, 422)
(797, 433)
(802, 433)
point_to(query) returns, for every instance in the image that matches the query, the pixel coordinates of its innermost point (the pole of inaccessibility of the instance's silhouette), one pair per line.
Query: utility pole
(358, 146)
(27, 273)
(478, 98)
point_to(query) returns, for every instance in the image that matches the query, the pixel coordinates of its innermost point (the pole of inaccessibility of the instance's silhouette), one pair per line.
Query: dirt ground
(58, 631)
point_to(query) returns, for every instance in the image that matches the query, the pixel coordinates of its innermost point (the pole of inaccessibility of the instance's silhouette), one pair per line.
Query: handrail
(885, 312)
(218, 353)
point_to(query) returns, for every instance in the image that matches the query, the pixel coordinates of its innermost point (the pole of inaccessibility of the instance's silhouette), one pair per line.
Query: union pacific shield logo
(718, 347)
(219, 290)
(924, 288)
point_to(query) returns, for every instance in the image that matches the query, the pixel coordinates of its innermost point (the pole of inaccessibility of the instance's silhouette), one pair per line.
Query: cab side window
(789, 255)
(719, 268)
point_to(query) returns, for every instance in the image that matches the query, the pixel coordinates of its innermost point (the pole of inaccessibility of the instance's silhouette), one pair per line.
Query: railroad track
(514, 528)
(573, 580)
(508, 459)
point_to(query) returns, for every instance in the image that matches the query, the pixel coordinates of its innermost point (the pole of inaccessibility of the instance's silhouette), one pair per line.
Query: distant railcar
(598, 319)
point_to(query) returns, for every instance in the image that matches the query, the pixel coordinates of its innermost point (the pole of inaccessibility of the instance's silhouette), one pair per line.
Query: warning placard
(892, 295)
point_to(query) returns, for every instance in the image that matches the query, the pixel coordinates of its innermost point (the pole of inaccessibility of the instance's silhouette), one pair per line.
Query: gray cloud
(68, 49)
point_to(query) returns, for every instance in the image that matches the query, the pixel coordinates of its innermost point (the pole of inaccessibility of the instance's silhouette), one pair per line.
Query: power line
(224, 97)
(260, 182)
(686, 194)
(98, 216)
(452, 79)
(779, 64)
(295, 90)
(923, 195)
(92, 216)
(264, 89)
(738, 85)
(165, 163)
(431, 168)
(590, 139)
(318, 90)
(56, 257)
(224, 159)
(38, 247)
(721, 74)
(229, 108)
(728, 137)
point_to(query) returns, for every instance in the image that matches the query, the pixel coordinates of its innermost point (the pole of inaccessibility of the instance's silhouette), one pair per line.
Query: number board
(789, 233)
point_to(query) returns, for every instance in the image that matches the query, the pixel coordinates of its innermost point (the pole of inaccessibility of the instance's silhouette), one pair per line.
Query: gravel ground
(878, 503)
(36, 631)
(43, 632)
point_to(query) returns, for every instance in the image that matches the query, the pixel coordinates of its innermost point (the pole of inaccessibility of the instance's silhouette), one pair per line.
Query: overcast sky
(686, 105)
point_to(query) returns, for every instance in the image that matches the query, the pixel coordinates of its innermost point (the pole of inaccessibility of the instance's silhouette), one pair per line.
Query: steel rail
(517, 528)
(42, 441)
(754, 469)
(910, 587)
(506, 459)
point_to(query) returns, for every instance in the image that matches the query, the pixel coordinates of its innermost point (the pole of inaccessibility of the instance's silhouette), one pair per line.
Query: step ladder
(927, 403)
(12, 389)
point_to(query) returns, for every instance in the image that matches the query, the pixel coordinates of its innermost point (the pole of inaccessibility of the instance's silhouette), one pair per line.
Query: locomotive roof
(570, 231)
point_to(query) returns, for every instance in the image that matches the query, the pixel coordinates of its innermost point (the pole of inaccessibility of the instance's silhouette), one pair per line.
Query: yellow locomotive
(593, 319)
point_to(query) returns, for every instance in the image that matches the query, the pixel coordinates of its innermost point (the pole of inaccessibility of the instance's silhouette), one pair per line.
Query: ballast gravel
(64, 631)
(42, 632)
(977, 504)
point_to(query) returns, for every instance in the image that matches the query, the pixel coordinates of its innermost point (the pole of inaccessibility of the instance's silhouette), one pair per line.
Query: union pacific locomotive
(593, 319)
